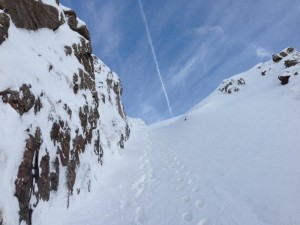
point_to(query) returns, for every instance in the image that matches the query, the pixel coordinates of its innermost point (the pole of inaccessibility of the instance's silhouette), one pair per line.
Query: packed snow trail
(163, 179)
(167, 176)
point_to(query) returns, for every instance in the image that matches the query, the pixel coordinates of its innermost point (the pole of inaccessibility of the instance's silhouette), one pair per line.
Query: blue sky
(197, 43)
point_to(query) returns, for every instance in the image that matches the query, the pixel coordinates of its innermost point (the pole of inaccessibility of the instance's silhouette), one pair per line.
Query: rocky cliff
(60, 108)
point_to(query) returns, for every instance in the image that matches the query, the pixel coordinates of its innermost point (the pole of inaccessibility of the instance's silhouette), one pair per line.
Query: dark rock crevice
(4, 25)
(28, 175)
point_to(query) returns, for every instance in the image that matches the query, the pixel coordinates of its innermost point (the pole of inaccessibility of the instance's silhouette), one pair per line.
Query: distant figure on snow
(185, 118)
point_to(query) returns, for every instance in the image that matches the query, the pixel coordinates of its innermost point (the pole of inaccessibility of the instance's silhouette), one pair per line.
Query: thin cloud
(103, 25)
(262, 53)
(203, 30)
(184, 71)
(146, 108)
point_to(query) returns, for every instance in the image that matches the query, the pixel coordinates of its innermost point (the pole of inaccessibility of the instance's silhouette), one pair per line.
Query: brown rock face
(73, 128)
(31, 14)
(73, 23)
(4, 25)
(54, 176)
(28, 174)
(290, 63)
(44, 179)
(22, 101)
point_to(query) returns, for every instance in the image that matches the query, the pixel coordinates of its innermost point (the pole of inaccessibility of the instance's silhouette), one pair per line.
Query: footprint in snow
(186, 199)
(142, 166)
(180, 179)
(124, 204)
(203, 222)
(196, 189)
(199, 204)
(187, 217)
(179, 188)
(141, 216)
(190, 181)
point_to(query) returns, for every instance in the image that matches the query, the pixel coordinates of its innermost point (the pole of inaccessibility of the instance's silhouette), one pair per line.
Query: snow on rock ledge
(284, 66)
(60, 108)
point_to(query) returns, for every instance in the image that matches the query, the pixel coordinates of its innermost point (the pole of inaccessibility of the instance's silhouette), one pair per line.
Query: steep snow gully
(234, 160)
(151, 184)
(65, 160)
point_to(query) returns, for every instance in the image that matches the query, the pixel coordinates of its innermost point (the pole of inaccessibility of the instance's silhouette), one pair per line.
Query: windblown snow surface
(235, 160)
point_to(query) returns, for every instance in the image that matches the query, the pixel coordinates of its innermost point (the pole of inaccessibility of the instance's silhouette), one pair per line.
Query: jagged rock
(25, 179)
(84, 31)
(21, 101)
(75, 83)
(290, 50)
(71, 175)
(68, 50)
(54, 134)
(4, 25)
(290, 63)
(1, 217)
(284, 79)
(73, 23)
(276, 58)
(232, 85)
(86, 81)
(98, 148)
(37, 105)
(31, 14)
(68, 110)
(44, 179)
(64, 150)
(78, 148)
(283, 54)
(83, 53)
(54, 176)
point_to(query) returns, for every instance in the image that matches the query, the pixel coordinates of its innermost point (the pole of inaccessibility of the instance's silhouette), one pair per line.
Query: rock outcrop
(284, 79)
(229, 86)
(284, 65)
(4, 25)
(31, 15)
(59, 101)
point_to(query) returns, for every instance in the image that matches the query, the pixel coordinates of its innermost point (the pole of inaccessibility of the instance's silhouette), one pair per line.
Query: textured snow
(235, 160)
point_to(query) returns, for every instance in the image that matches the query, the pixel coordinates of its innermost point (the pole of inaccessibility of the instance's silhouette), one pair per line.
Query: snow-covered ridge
(264, 77)
(60, 108)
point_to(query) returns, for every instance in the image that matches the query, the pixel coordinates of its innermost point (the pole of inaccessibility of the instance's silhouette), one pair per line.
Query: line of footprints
(185, 183)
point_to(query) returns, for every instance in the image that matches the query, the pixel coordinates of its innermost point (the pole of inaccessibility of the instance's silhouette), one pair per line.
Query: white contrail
(155, 59)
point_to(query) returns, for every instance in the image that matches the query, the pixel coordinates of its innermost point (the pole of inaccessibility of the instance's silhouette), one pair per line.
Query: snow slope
(235, 160)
